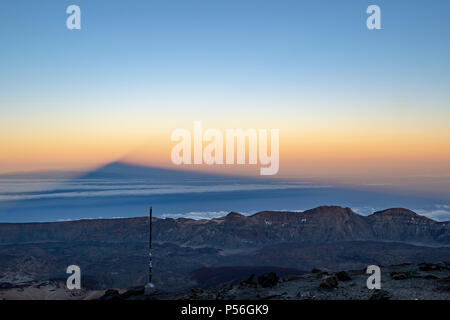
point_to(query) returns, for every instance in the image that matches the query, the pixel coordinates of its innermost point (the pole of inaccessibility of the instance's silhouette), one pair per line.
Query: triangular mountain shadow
(123, 170)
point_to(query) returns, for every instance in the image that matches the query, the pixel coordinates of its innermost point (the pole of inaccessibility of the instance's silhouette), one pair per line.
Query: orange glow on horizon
(304, 151)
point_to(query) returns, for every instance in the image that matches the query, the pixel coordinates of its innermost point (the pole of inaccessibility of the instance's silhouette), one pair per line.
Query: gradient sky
(351, 104)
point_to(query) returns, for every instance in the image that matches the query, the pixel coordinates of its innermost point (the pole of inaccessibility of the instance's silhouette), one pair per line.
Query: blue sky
(217, 45)
(139, 69)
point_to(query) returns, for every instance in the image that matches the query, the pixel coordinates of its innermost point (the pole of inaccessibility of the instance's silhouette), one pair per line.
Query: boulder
(329, 282)
(111, 294)
(400, 275)
(6, 285)
(197, 290)
(343, 276)
(136, 291)
(249, 282)
(429, 267)
(442, 289)
(268, 280)
(380, 295)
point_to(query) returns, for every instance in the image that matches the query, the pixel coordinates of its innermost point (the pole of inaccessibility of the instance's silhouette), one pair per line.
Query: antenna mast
(149, 287)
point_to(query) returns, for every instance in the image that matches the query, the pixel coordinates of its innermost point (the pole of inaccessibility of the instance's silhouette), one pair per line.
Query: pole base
(149, 288)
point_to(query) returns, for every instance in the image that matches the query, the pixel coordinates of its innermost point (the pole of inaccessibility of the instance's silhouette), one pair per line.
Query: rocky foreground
(44, 290)
(423, 281)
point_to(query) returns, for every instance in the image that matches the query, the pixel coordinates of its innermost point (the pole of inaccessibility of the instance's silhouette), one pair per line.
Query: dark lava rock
(268, 280)
(137, 291)
(429, 267)
(404, 264)
(445, 280)
(197, 290)
(249, 282)
(343, 276)
(229, 286)
(380, 295)
(400, 275)
(6, 285)
(444, 285)
(443, 289)
(42, 284)
(111, 294)
(430, 277)
(319, 273)
(329, 282)
(292, 278)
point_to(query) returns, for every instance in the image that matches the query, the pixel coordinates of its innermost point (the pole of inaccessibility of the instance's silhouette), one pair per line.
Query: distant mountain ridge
(319, 225)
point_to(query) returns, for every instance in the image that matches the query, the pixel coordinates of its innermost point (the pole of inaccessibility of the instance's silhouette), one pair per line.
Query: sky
(352, 104)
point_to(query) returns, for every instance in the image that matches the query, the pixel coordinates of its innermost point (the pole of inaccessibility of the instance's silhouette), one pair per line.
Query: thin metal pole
(149, 287)
(150, 248)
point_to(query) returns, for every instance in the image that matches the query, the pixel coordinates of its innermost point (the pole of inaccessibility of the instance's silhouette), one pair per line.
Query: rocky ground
(398, 282)
(44, 290)
(423, 281)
